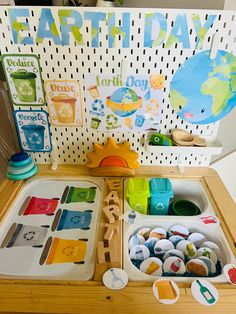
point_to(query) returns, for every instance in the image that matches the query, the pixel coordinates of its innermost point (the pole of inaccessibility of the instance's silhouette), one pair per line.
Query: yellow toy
(113, 159)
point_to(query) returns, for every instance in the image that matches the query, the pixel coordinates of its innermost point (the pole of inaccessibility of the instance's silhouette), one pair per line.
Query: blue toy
(161, 192)
(20, 167)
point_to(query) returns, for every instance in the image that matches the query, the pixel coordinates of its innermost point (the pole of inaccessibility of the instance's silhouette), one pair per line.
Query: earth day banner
(135, 105)
(210, 99)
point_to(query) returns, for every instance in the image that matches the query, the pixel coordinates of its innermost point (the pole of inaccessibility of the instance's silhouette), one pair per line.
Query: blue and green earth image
(124, 95)
(203, 90)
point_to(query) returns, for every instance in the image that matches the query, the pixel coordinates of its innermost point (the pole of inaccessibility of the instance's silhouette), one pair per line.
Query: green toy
(137, 194)
(158, 139)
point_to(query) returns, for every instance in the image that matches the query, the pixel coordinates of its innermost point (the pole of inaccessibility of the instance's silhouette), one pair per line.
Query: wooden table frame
(45, 296)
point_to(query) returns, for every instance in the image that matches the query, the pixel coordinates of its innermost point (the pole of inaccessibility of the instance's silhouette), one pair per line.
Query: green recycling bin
(137, 194)
(25, 84)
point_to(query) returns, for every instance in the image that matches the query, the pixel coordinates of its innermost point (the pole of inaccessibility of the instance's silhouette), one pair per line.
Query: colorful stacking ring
(23, 176)
(21, 166)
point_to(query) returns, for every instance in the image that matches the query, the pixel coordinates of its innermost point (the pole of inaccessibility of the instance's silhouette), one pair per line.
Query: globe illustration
(203, 90)
(124, 102)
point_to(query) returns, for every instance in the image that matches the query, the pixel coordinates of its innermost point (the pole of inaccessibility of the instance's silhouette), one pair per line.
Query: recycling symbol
(75, 219)
(68, 250)
(29, 235)
(160, 206)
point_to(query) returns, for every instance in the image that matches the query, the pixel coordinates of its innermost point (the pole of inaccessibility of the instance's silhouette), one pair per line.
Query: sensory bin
(182, 251)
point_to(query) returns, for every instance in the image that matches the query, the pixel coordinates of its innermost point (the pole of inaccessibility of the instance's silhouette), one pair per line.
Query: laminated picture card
(23, 76)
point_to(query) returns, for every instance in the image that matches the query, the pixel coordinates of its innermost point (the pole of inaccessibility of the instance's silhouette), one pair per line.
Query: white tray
(24, 261)
(214, 234)
(185, 189)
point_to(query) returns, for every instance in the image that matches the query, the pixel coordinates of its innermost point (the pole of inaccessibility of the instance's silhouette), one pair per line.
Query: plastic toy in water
(22, 235)
(158, 139)
(38, 206)
(77, 195)
(137, 194)
(161, 192)
(20, 167)
(72, 219)
(57, 251)
(113, 159)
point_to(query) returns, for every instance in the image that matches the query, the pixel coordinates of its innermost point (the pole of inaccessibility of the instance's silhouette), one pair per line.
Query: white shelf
(184, 155)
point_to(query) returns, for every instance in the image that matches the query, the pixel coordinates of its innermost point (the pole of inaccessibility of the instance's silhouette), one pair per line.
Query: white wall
(186, 4)
(230, 5)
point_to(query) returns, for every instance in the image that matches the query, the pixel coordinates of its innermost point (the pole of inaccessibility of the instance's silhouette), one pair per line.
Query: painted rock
(197, 267)
(136, 239)
(205, 251)
(210, 264)
(144, 232)
(196, 238)
(162, 246)
(187, 247)
(174, 265)
(140, 252)
(213, 246)
(150, 244)
(159, 233)
(179, 230)
(174, 252)
(176, 239)
(152, 266)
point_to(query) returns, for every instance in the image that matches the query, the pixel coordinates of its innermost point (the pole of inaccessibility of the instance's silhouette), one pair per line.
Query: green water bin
(137, 194)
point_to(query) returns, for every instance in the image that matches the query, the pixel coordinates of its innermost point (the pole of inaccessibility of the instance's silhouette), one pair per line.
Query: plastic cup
(34, 135)
(65, 107)
(25, 84)
(95, 123)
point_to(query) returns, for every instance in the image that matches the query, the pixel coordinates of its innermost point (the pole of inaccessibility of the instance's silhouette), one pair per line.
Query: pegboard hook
(124, 70)
(214, 45)
(54, 156)
(180, 163)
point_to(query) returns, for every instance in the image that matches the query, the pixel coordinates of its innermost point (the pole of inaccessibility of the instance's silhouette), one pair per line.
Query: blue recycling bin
(161, 192)
(34, 135)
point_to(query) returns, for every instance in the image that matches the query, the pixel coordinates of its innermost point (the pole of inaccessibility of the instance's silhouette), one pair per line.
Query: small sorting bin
(137, 194)
(161, 193)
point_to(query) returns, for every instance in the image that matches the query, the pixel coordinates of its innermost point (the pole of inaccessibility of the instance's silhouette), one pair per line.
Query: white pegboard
(75, 62)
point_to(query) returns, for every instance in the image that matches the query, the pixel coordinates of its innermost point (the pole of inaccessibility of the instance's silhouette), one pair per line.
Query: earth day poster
(112, 105)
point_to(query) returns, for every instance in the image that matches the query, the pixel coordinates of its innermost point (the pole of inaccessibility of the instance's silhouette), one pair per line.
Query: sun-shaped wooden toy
(113, 159)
